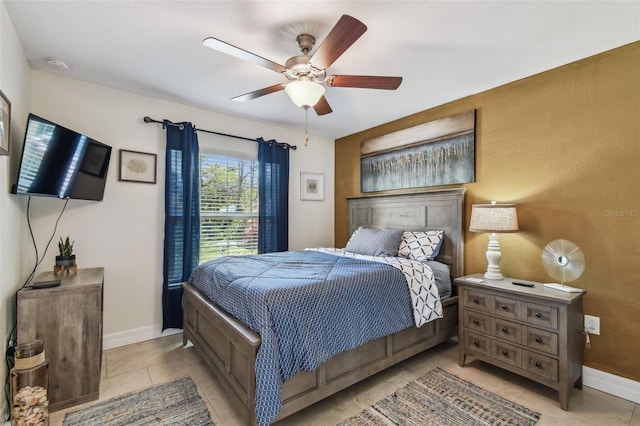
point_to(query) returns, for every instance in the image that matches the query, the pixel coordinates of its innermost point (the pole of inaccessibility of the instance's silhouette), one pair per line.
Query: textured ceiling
(444, 50)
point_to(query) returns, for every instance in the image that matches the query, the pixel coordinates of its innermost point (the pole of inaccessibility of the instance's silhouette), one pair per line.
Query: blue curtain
(182, 218)
(273, 194)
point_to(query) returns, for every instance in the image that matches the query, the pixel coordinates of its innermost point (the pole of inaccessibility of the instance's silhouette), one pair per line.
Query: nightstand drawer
(542, 365)
(477, 300)
(541, 315)
(541, 340)
(506, 330)
(506, 307)
(477, 322)
(477, 343)
(506, 353)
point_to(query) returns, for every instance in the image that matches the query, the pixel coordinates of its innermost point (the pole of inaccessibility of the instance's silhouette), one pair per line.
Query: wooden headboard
(429, 210)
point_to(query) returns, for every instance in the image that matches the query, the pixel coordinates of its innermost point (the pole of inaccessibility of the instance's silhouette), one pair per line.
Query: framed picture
(311, 186)
(5, 124)
(137, 166)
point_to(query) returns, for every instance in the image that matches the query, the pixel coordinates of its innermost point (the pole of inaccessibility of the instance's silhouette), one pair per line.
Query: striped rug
(175, 403)
(440, 398)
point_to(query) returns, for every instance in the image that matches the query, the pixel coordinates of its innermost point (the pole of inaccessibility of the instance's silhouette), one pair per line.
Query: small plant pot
(66, 260)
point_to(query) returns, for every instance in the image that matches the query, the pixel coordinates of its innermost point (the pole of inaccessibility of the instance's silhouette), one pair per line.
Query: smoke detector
(57, 64)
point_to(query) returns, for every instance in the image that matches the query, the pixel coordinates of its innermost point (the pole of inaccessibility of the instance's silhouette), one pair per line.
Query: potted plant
(66, 256)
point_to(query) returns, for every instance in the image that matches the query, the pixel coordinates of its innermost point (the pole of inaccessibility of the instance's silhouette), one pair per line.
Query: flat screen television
(58, 162)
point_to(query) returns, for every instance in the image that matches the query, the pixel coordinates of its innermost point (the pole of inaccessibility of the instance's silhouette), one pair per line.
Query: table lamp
(493, 218)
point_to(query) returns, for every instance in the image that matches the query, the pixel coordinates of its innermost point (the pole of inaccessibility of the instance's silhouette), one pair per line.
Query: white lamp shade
(304, 93)
(493, 218)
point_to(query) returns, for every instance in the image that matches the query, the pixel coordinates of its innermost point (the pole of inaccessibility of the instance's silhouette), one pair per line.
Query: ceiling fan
(307, 74)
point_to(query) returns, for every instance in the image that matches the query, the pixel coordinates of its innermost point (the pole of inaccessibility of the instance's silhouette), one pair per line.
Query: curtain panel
(182, 218)
(273, 195)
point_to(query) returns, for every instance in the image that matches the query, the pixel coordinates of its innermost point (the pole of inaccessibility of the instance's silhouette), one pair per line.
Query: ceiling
(444, 50)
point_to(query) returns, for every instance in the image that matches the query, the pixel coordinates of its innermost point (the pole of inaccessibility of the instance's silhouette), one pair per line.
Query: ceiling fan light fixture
(304, 93)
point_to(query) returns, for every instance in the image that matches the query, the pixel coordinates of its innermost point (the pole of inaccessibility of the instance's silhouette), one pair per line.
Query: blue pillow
(375, 242)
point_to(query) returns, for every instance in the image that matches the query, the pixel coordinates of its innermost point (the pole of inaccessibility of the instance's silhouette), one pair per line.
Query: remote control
(46, 284)
(522, 284)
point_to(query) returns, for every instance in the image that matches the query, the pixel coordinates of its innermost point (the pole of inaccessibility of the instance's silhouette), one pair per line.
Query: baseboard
(596, 379)
(136, 335)
(611, 384)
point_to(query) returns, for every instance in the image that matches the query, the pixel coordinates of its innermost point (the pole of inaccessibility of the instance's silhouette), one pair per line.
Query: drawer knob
(505, 330)
(538, 315)
(538, 364)
(505, 353)
(505, 307)
(475, 342)
(476, 322)
(539, 339)
(476, 300)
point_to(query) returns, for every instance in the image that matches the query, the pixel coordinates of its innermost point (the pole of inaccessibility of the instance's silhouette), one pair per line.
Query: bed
(231, 348)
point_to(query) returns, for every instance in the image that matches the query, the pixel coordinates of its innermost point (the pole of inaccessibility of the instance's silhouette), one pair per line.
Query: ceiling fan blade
(364, 81)
(340, 38)
(257, 93)
(229, 49)
(322, 107)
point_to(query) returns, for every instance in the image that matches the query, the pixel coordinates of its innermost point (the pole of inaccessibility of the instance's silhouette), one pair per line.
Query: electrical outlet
(592, 324)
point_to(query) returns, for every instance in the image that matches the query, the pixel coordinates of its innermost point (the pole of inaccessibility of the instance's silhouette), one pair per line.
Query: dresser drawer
(477, 343)
(541, 340)
(506, 307)
(542, 365)
(505, 329)
(541, 315)
(477, 322)
(477, 300)
(506, 353)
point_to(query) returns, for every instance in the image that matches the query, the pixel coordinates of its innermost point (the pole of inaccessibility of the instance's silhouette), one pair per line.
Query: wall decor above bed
(439, 152)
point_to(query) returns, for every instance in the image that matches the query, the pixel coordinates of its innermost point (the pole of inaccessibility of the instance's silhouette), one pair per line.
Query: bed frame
(230, 348)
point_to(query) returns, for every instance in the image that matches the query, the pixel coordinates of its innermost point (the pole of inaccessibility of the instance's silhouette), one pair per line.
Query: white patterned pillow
(374, 242)
(421, 245)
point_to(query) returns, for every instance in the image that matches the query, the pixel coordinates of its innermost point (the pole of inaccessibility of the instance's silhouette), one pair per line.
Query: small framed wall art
(311, 186)
(137, 166)
(5, 124)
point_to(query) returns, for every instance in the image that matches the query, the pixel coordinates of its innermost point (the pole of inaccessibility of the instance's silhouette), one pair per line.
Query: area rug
(440, 398)
(174, 403)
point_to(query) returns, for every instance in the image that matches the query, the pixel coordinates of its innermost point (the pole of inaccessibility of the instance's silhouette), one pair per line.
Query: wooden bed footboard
(230, 349)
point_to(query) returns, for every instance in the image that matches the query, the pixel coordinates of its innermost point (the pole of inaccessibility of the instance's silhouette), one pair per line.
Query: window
(228, 206)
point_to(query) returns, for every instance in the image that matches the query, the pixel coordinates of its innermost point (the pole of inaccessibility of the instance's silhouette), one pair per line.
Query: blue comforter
(307, 307)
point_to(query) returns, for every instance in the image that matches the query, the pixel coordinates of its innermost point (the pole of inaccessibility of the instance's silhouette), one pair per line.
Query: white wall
(124, 233)
(15, 84)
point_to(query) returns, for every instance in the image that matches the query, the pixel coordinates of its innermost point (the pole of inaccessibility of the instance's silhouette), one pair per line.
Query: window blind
(228, 206)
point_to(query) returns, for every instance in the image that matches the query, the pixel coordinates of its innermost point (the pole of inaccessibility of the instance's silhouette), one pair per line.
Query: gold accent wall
(564, 145)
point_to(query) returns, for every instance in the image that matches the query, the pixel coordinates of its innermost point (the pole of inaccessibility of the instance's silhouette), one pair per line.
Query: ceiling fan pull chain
(306, 125)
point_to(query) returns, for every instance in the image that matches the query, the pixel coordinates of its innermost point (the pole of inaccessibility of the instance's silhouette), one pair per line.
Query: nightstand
(535, 332)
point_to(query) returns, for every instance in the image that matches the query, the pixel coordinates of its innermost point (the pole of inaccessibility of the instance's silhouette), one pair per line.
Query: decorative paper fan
(564, 261)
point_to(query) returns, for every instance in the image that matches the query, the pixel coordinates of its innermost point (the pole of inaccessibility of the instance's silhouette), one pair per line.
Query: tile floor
(156, 361)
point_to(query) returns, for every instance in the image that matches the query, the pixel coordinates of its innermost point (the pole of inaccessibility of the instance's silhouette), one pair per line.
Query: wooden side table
(535, 332)
(69, 320)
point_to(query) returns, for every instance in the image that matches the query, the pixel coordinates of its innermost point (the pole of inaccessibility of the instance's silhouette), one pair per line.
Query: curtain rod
(148, 119)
